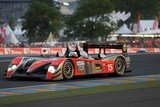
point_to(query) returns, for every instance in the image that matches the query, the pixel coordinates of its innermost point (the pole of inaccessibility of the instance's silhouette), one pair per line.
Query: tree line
(90, 19)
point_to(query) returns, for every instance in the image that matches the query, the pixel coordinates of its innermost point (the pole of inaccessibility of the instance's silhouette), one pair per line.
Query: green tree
(40, 20)
(48, 2)
(11, 22)
(148, 9)
(91, 19)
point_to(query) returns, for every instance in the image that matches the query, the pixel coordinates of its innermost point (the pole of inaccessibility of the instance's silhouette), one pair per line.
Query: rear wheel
(68, 70)
(119, 66)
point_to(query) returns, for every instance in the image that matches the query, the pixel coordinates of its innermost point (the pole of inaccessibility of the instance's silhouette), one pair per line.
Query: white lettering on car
(110, 67)
(81, 65)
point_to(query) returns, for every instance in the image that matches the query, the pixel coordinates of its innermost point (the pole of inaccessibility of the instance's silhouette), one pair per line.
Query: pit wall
(21, 51)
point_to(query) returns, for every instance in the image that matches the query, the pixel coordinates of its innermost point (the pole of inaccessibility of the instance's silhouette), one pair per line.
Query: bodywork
(25, 67)
(52, 68)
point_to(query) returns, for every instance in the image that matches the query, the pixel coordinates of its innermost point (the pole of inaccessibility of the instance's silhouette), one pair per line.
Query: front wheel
(68, 70)
(119, 66)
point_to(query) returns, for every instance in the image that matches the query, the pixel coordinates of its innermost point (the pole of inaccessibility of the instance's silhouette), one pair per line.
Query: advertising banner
(16, 51)
(55, 50)
(35, 50)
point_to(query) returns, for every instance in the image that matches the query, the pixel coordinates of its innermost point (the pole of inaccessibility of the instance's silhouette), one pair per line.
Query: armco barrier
(37, 51)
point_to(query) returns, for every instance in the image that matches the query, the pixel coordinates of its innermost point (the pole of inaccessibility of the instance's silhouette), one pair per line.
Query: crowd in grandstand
(131, 42)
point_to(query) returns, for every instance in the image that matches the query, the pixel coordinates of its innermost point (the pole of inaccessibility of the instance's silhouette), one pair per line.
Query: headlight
(51, 69)
(14, 67)
(9, 69)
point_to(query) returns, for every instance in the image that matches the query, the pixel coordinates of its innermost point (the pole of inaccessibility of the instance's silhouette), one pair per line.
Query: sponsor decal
(81, 65)
(98, 66)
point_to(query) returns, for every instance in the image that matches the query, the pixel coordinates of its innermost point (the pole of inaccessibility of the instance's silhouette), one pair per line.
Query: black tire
(119, 66)
(68, 70)
(5, 74)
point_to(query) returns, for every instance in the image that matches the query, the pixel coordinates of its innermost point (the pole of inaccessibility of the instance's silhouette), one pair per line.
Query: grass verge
(76, 92)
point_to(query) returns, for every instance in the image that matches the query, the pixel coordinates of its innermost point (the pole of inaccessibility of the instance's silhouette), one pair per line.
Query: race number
(110, 67)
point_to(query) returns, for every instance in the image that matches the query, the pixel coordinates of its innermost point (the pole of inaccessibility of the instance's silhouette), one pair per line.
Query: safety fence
(13, 51)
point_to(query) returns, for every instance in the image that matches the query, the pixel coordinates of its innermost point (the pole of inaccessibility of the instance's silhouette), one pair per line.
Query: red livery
(68, 66)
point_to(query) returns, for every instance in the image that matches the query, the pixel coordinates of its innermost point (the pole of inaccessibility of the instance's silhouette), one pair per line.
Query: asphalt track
(131, 98)
(143, 64)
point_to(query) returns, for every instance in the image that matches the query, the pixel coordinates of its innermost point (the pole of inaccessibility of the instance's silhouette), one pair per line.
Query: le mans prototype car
(67, 67)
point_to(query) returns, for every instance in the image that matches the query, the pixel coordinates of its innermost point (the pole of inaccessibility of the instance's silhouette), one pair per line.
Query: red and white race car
(67, 67)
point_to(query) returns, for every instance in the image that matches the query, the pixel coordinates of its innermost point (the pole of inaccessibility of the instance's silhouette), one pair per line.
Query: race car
(68, 66)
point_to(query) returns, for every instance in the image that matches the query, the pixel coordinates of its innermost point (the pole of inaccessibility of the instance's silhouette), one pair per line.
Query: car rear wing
(86, 46)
